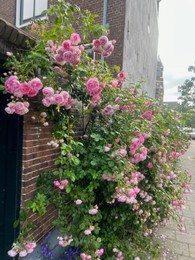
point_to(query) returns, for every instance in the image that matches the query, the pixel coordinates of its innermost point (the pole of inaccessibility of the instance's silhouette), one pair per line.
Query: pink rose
(24, 88)
(106, 149)
(92, 84)
(35, 84)
(122, 198)
(23, 253)
(93, 211)
(148, 114)
(150, 165)
(70, 102)
(87, 232)
(96, 99)
(32, 92)
(96, 43)
(9, 54)
(64, 182)
(78, 202)
(12, 84)
(59, 59)
(12, 253)
(122, 152)
(103, 40)
(121, 76)
(68, 57)
(115, 83)
(43, 114)
(48, 91)
(59, 99)
(66, 44)
(46, 102)
(75, 38)
(20, 109)
(77, 52)
(82, 48)
(56, 183)
(107, 111)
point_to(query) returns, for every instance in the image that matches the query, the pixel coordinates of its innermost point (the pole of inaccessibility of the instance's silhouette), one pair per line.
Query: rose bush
(117, 182)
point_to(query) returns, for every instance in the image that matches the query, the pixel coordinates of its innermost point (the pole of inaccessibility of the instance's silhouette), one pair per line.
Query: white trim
(18, 15)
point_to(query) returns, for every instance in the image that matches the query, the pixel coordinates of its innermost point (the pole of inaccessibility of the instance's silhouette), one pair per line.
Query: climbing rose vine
(116, 183)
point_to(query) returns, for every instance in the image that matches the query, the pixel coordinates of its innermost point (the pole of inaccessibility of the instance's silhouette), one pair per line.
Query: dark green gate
(10, 175)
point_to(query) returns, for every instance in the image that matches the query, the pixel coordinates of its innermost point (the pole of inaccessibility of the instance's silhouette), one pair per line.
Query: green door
(10, 175)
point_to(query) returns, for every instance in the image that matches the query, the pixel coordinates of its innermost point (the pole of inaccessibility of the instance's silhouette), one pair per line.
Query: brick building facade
(133, 24)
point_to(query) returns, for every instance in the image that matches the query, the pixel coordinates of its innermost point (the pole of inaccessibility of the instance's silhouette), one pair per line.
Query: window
(28, 10)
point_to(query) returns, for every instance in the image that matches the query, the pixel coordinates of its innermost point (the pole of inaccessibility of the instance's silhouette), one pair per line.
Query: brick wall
(38, 157)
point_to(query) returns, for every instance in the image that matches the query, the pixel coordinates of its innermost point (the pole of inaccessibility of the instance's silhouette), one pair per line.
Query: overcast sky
(176, 43)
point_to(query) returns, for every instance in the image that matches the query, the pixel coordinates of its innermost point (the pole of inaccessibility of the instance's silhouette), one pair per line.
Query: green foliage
(119, 179)
(38, 204)
(187, 98)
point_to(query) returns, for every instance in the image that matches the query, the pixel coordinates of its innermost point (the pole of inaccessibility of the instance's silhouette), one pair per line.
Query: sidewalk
(181, 245)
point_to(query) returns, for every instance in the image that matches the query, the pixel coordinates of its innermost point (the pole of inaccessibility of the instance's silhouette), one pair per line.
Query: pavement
(181, 245)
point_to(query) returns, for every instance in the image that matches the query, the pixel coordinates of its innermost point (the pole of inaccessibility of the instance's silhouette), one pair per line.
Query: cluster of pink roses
(60, 98)
(64, 241)
(103, 46)
(119, 254)
(61, 184)
(148, 115)
(97, 255)
(23, 250)
(109, 110)
(94, 89)
(121, 77)
(31, 88)
(67, 53)
(127, 195)
(17, 89)
(19, 108)
(138, 143)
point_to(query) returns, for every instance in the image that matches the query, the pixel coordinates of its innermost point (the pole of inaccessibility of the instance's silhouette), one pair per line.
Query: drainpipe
(104, 19)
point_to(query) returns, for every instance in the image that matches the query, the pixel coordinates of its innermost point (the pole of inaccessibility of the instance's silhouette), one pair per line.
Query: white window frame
(19, 19)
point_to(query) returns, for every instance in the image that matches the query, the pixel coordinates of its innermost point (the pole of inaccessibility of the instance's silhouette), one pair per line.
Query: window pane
(40, 6)
(27, 9)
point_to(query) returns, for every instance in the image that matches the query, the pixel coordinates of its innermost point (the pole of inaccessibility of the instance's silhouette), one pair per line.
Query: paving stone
(189, 221)
(190, 229)
(168, 233)
(179, 248)
(185, 237)
(192, 250)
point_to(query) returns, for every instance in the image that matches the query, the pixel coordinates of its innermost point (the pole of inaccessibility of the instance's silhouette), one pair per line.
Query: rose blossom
(59, 99)
(75, 38)
(103, 40)
(78, 202)
(48, 91)
(121, 76)
(35, 84)
(24, 88)
(106, 149)
(93, 86)
(23, 253)
(66, 44)
(12, 253)
(12, 84)
(150, 166)
(87, 232)
(93, 211)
